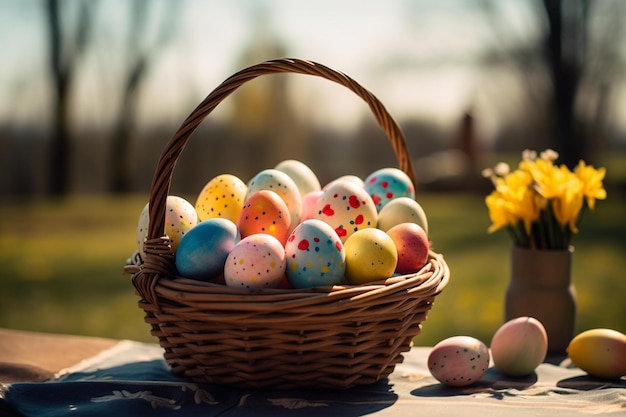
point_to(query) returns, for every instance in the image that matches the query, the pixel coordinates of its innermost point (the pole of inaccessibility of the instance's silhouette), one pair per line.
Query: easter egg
(349, 178)
(315, 255)
(599, 352)
(180, 217)
(309, 201)
(412, 245)
(222, 196)
(257, 261)
(385, 184)
(346, 207)
(301, 174)
(203, 250)
(370, 256)
(402, 210)
(265, 212)
(458, 361)
(282, 184)
(519, 346)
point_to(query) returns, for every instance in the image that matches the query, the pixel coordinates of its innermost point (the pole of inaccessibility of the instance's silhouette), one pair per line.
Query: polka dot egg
(315, 255)
(223, 197)
(458, 361)
(180, 217)
(347, 208)
(386, 184)
(282, 184)
(257, 261)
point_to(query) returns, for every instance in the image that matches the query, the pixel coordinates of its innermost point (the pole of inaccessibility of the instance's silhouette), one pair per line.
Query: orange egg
(265, 212)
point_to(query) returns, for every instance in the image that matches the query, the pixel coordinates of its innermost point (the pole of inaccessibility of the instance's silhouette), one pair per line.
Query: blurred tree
(566, 50)
(139, 57)
(67, 43)
(580, 66)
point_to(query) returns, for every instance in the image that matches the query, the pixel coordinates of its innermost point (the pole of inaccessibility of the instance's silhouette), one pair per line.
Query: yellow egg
(370, 256)
(599, 352)
(223, 197)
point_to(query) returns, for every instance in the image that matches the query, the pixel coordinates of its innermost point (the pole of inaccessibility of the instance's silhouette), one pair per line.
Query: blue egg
(386, 184)
(203, 250)
(315, 255)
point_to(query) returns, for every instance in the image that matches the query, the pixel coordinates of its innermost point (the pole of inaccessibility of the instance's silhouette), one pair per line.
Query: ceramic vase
(541, 287)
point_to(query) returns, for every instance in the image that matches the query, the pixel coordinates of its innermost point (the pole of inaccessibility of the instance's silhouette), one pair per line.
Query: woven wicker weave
(332, 337)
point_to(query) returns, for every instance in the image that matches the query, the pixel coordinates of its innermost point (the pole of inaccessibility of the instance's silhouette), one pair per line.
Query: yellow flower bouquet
(541, 203)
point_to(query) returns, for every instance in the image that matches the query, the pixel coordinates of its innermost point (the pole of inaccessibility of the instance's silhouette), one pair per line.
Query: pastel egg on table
(315, 255)
(282, 184)
(459, 361)
(346, 207)
(180, 217)
(222, 196)
(265, 212)
(385, 184)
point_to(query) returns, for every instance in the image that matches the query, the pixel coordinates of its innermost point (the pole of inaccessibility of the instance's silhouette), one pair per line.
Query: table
(46, 374)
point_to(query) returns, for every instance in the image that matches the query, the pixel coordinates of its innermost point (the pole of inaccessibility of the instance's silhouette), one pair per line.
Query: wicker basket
(331, 337)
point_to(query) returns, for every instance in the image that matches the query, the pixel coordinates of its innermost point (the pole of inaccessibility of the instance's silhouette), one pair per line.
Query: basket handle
(163, 175)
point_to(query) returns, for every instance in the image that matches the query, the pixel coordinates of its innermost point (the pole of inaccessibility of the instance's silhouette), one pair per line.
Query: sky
(417, 56)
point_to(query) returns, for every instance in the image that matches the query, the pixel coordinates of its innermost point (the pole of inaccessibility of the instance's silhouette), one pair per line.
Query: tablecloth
(132, 379)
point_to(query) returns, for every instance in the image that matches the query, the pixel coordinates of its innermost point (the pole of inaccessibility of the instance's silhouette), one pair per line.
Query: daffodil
(591, 180)
(540, 203)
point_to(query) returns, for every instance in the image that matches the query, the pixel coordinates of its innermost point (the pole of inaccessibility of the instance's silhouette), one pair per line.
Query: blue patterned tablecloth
(132, 379)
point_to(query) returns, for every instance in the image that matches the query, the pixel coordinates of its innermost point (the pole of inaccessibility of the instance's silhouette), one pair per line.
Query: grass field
(60, 267)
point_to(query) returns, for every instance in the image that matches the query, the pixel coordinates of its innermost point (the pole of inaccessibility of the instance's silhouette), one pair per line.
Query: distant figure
(466, 141)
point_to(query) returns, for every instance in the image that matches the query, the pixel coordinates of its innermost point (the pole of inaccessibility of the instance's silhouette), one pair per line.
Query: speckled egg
(412, 245)
(385, 184)
(402, 210)
(301, 174)
(265, 212)
(203, 250)
(458, 361)
(282, 184)
(222, 196)
(257, 261)
(315, 255)
(370, 256)
(180, 217)
(346, 207)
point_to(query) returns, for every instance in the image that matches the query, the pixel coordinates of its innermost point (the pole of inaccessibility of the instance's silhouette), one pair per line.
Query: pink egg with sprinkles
(256, 262)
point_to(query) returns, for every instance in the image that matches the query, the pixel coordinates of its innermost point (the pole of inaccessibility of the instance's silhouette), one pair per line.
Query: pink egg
(265, 212)
(412, 245)
(308, 204)
(458, 361)
(256, 262)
